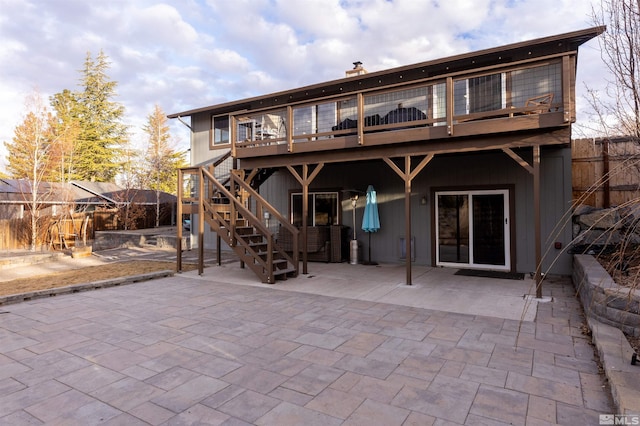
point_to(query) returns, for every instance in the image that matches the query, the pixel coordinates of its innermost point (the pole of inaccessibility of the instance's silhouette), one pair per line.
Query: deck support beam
(534, 170)
(179, 222)
(201, 223)
(407, 176)
(305, 180)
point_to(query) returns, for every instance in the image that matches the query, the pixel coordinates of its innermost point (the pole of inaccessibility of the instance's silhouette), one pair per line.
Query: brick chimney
(357, 70)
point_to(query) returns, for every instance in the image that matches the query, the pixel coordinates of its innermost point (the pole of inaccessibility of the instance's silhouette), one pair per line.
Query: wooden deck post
(408, 175)
(179, 223)
(305, 180)
(536, 219)
(200, 222)
(534, 170)
(407, 217)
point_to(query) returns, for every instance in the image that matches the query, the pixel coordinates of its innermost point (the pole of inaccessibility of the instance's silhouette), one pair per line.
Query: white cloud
(192, 53)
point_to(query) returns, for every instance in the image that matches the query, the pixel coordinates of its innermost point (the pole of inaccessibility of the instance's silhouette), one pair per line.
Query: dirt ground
(81, 276)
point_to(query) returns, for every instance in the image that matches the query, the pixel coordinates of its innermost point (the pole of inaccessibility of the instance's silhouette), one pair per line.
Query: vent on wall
(402, 248)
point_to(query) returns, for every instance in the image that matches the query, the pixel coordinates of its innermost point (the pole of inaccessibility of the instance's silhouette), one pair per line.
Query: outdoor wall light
(423, 200)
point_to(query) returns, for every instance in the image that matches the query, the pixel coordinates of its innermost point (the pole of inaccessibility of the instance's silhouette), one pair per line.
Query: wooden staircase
(234, 211)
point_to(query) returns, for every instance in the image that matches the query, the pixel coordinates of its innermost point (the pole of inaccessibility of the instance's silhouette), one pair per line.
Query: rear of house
(469, 155)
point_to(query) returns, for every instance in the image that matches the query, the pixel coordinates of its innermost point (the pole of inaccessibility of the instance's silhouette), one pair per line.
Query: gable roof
(81, 192)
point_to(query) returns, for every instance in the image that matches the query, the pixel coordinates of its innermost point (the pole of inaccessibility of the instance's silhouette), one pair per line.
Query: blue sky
(192, 53)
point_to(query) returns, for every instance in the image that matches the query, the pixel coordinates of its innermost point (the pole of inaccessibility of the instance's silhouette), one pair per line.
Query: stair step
(243, 237)
(283, 274)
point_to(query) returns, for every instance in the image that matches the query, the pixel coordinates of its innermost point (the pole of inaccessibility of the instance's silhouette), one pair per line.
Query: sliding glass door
(472, 229)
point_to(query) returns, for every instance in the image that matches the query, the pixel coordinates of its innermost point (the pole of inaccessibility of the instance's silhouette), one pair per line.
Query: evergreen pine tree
(101, 134)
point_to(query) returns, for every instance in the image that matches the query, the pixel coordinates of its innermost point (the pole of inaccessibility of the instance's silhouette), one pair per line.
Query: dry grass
(87, 274)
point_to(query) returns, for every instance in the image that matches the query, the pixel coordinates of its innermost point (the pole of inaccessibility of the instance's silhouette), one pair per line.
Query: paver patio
(186, 350)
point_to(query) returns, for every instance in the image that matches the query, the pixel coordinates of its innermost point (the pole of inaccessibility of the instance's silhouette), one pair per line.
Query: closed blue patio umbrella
(370, 219)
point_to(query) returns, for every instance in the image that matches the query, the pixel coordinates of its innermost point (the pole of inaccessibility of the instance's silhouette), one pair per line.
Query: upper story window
(220, 126)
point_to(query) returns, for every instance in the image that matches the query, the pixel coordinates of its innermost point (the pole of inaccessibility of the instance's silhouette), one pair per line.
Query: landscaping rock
(606, 219)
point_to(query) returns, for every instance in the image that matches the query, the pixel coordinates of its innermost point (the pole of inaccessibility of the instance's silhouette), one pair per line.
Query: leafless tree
(617, 110)
(30, 158)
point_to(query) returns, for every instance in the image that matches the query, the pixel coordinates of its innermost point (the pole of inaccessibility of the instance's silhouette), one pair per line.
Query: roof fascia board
(573, 39)
(97, 194)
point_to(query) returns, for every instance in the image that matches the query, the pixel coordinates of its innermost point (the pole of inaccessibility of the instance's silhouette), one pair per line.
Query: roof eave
(575, 39)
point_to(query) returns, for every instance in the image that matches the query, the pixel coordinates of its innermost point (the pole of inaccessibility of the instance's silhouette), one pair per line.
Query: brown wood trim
(360, 118)
(179, 221)
(483, 131)
(449, 106)
(212, 145)
(200, 221)
(288, 128)
(305, 180)
(518, 159)
(536, 220)
(407, 176)
(558, 136)
(568, 87)
(232, 134)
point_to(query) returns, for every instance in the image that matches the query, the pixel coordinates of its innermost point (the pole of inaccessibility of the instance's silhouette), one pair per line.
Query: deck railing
(504, 93)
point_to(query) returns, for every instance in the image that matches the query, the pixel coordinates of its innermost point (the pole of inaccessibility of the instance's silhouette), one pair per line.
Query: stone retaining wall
(603, 299)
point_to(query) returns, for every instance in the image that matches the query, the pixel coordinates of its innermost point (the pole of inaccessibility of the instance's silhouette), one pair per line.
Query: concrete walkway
(432, 288)
(217, 349)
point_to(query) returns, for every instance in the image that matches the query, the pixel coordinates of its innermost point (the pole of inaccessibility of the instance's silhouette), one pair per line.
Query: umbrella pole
(369, 262)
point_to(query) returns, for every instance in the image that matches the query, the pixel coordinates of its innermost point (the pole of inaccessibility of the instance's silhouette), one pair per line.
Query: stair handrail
(261, 206)
(238, 207)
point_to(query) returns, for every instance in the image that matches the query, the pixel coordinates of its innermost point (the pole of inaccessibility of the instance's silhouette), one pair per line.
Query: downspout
(184, 122)
(188, 126)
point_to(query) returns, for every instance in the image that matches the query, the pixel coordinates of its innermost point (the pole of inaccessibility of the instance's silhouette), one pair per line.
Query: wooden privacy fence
(14, 234)
(54, 232)
(606, 171)
(78, 229)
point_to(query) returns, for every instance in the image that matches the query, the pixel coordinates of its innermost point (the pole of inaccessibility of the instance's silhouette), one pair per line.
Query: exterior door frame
(510, 251)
